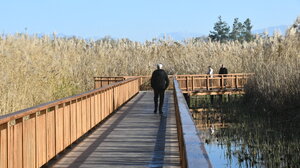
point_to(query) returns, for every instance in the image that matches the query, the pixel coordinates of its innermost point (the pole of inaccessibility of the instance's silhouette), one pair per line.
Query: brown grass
(39, 69)
(277, 69)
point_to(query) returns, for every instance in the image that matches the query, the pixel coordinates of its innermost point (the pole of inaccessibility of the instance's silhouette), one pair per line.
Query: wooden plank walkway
(133, 137)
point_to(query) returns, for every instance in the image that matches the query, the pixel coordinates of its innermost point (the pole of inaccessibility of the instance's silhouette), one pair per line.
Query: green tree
(237, 30)
(221, 31)
(247, 35)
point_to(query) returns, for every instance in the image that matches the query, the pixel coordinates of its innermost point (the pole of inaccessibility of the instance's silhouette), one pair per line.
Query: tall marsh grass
(277, 74)
(39, 69)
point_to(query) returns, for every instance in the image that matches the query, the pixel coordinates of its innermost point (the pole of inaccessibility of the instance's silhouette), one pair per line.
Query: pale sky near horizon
(138, 19)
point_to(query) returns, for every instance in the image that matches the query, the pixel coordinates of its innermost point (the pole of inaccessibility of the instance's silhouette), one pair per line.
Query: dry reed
(39, 69)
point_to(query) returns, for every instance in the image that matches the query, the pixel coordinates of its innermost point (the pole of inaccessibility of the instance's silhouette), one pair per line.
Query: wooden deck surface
(133, 137)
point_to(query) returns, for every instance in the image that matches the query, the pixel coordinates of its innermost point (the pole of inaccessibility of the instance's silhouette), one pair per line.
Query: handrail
(189, 82)
(33, 136)
(30, 110)
(183, 75)
(192, 151)
(103, 81)
(216, 81)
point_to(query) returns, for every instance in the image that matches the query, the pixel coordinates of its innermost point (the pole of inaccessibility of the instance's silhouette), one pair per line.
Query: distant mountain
(282, 29)
(179, 36)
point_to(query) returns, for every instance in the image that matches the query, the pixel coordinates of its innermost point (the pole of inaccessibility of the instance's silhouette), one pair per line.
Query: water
(234, 136)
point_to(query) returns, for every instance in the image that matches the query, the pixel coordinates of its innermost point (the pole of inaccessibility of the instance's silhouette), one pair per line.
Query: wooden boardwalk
(132, 137)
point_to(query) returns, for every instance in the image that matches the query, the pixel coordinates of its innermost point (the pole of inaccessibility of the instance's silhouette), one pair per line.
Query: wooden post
(207, 82)
(243, 80)
(193, 83)
(236, 82)
(222, 82)
(187, 84)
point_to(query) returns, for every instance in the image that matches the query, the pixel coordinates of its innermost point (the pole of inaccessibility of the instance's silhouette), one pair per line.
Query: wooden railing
(33, 136)
(192, 152)
(217, 81)
(103, 81)
(144, 81)
(188, 82)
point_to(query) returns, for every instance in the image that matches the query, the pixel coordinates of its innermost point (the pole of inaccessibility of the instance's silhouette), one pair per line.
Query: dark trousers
(224, 82)
(161, 95)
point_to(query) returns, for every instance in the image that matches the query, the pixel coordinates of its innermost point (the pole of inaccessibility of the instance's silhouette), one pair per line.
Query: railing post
(244, 80)
(236, 82)
(187, 84)
(222, 82)
(207, 82)
(193, 83)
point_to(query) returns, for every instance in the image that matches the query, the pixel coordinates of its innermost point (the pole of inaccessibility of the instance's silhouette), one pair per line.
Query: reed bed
(40, 69)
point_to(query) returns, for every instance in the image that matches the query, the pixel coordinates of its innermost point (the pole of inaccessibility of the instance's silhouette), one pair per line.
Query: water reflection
(235, 137)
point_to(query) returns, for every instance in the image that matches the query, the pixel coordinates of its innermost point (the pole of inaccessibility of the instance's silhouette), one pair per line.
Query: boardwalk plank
(132, 137)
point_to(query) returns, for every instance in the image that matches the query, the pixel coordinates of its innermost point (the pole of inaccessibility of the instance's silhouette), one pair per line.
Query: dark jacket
(223, 71)
(159, 80)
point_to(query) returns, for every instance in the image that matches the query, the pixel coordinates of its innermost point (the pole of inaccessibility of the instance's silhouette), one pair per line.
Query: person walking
(210, 71)
(223, 71)
(211, 75)
(159, 83)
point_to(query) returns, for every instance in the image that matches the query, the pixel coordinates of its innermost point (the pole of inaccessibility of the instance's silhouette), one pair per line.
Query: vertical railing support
(236, 81)
(207, 82)
(187, 83)
(222, 82)
(193, 87)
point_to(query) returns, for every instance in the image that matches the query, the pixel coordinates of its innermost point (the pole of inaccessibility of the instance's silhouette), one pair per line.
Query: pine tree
(247, 30)
(221, 31)
(237, 29)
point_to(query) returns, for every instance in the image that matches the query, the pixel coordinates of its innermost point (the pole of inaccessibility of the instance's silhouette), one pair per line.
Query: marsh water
(238, 136)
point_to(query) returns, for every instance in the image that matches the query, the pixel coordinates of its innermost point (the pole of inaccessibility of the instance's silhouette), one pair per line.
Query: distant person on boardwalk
(211, 75)
(210, 72)
(223, 71)
(159, 83)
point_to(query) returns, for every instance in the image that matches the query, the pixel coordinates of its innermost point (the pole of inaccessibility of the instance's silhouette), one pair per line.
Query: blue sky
(139, 19)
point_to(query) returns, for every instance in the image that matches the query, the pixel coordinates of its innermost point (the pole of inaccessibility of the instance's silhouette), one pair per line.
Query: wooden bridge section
(111, 126)
(217, 84)
(32, 137)
(203, 84)
(133, 137)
